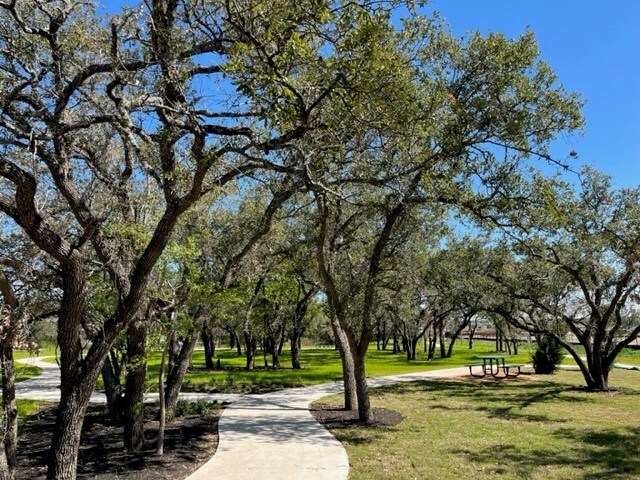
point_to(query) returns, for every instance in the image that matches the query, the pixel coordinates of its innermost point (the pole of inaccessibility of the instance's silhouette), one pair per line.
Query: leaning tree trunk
(135, 386)
(455, 336)
(176, 375)
(348, 367)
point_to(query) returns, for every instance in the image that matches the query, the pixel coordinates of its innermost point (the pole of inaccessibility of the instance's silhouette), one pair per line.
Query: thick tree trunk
(348, 367)
(275, 358)
(10, 420)
(365, 412)
(441, 339)
(74, 399)
(209, 342)
(135, 386)
(175, 376)
(598, 369)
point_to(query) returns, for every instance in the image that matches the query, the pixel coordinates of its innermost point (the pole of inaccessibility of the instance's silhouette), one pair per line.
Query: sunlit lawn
(628, 356)
(319, 365)
(542, 429)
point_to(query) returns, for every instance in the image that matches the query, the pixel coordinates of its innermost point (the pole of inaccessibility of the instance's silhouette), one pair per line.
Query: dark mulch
(190, 440)
(332, 416)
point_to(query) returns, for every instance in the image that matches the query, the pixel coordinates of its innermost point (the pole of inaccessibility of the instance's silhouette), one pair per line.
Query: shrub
(548, 355)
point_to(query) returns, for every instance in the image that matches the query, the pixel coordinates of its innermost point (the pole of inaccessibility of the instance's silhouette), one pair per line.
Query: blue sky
(594, 47)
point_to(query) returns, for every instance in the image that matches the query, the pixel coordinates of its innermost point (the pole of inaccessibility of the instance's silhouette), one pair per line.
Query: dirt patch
(333, 416)
(190, 440)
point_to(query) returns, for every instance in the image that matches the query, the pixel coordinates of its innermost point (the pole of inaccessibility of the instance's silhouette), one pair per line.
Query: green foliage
(203, 407)
(547, 356)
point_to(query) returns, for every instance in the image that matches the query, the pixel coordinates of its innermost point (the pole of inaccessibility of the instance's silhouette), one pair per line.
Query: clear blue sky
(594, 47)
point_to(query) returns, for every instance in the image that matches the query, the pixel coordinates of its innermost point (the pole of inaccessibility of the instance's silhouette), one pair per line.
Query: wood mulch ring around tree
(335, 416)
(190, 441)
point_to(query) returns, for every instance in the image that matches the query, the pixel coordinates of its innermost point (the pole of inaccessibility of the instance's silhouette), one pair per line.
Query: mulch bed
(190, 440)
(333, 416)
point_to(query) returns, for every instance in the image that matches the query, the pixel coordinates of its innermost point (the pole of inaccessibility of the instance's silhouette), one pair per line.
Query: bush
(548, 355)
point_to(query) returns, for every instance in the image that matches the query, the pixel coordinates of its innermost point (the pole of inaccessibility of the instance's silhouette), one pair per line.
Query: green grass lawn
(628, 356)
(25, 372)
(526, 429)
(319, 365)
(28, 407)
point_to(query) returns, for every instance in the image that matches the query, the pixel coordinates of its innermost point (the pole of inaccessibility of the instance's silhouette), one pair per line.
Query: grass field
(319, 365)
(526, 429)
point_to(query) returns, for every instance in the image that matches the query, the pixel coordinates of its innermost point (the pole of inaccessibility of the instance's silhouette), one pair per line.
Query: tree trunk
(365, 412)
(283, 339)
(209, 342)
(295, 348)
(74, 399)
(455, 336)
(250, 349)
(275, 358)
(135, 386)
(238, 344)
(472, 332)
(432, 346)
(348, 367)
(232, 340)
(10, 420)
(112, 388)
(175, 376)
(162, 402)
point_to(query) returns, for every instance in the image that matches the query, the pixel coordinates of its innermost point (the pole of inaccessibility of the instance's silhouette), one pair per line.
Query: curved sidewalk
(274, 436)
(269, 436)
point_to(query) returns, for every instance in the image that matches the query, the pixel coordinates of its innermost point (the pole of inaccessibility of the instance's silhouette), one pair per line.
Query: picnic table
(494, 364)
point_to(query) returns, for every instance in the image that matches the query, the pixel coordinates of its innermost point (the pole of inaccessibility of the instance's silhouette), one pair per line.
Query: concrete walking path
(268, 436)
(46, 386)
(274, 436)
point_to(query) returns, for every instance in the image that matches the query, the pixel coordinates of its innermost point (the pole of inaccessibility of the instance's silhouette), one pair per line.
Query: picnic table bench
(487, 366)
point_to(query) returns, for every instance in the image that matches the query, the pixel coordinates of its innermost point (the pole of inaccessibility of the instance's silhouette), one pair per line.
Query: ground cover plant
(544, 427)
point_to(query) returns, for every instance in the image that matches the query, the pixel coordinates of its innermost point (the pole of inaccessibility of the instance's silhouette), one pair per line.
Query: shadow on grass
(600, 454)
